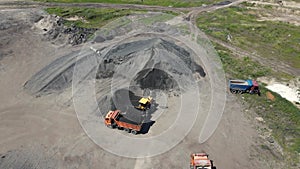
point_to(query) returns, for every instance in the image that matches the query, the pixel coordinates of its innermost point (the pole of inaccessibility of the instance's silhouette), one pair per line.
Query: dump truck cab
(200, 161)
(254, 88)
(144, 103)
(110, 118)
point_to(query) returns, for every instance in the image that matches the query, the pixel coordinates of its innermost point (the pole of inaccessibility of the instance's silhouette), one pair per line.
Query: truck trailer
(114, 119)
(244, 86)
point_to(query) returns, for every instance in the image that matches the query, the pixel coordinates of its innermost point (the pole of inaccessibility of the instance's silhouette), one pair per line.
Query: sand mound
(291, 94)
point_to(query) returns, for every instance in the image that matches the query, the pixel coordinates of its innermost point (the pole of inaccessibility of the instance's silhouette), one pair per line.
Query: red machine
(200, 161)
(114, 119)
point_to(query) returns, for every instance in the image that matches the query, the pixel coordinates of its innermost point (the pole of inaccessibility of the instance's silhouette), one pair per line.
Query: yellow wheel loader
(144, 103)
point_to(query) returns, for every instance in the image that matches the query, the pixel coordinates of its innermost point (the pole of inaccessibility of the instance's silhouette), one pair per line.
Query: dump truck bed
(128, 123)
(132, 121)
(137, 127)
(132, 115)
(126, 120)
(240, 84)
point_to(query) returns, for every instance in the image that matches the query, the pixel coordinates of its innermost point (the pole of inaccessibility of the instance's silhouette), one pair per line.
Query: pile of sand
(48, 22)
(287, 92)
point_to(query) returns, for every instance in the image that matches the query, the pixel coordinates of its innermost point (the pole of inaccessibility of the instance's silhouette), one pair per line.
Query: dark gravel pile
(152, 63)
(75, 35)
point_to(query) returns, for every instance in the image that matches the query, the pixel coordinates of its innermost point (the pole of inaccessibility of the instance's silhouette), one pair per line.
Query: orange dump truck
(114, 119)
(200, 161)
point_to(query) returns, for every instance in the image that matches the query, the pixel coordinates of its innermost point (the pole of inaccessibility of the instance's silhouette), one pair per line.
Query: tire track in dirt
(280, 66)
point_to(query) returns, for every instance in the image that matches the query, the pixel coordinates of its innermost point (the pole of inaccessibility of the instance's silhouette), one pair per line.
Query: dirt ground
(44, 132)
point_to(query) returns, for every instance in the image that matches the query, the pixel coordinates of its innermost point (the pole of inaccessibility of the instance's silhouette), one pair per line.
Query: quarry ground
(44, 132)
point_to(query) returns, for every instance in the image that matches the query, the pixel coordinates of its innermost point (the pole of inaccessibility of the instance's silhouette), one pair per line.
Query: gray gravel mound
(156, 60)
(152, 63)
(55, 76)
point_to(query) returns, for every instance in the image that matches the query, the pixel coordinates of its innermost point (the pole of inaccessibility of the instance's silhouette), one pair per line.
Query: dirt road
(279, 66)
(29, 3)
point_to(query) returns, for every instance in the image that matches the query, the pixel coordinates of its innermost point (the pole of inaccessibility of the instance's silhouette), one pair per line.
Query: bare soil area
(42, 131)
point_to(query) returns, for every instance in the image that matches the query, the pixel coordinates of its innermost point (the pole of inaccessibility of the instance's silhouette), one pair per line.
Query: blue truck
(244, 86)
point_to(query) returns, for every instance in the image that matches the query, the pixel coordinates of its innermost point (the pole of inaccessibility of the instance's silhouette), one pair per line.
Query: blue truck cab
(244, 86)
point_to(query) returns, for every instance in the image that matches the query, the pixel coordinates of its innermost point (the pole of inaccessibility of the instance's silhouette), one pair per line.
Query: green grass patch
(91, 17)
(241, 68)
(173, 3)
(246, 68)
(264, 147)
(98, 17)
(274, 40)
(281, 116)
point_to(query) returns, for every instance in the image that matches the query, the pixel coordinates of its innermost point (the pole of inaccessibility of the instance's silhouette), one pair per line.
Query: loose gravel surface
(38, 121)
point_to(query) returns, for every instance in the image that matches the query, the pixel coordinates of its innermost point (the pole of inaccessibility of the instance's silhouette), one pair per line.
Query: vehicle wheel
(120, 128)
(113, 126)
(127, 130)
(233, 91)
(134, 132)
(239, 92)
